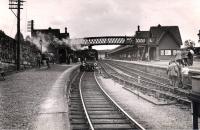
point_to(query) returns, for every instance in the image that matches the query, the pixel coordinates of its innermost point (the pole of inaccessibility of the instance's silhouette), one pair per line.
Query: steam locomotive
(89, 58)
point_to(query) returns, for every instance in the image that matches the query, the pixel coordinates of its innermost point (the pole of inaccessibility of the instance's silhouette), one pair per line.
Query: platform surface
(35, 99)
(163, 63)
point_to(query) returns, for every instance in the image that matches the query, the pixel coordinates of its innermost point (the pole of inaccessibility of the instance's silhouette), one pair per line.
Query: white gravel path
(147, 114)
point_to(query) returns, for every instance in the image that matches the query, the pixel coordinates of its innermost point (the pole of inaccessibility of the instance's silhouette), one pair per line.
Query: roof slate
(158, 31)
(142, 34)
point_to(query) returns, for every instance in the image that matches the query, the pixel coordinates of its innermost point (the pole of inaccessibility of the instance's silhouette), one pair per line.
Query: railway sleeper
(80, 127)
(162, 86)
(172, 90)
(162, 94)
(112, 126)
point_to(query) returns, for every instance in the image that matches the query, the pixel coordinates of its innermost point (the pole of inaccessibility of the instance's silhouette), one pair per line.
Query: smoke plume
(44, 40)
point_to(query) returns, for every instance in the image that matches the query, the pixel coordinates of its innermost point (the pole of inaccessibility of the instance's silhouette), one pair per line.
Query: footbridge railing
(105, 40)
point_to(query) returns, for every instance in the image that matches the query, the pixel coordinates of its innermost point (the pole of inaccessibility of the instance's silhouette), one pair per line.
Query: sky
(87, 18)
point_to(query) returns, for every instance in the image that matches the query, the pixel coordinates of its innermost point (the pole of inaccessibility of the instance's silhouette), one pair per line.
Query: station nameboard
(140, 40)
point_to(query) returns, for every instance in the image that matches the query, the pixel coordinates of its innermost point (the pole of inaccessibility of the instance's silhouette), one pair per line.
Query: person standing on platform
(173, 73)
(147, 56)
(185, 76)
(47, 61)
(185, 57)
(190, 57)
(178, 57)
(38, 60)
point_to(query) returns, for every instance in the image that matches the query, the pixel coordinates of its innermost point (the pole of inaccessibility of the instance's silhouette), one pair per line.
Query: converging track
(100, 110)
(147, 82)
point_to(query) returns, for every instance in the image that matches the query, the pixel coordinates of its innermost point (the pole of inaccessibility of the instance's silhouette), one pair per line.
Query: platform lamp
(41, 45)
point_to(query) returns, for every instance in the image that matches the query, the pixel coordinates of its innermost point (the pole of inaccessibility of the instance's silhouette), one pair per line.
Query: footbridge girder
(105, 40)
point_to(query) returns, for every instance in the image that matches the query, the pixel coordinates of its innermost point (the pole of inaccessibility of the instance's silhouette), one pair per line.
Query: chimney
(32, 25)
(138, 28)
(65, 29)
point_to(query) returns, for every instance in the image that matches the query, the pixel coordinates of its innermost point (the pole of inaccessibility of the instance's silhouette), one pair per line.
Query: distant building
(49, 31)
(62, 52)
(164, 41)
(102, 53)
(159, 43)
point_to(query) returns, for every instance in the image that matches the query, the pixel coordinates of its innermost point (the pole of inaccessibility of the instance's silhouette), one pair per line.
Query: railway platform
(164, 63)
(35, 99)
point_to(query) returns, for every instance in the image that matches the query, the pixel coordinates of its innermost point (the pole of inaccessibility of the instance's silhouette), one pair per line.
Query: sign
(140, 40)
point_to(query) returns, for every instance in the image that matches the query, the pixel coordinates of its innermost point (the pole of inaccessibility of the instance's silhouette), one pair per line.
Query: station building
(159, 43)
(62, 52)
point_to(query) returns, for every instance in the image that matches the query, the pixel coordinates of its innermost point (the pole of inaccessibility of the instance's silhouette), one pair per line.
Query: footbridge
(103, 40)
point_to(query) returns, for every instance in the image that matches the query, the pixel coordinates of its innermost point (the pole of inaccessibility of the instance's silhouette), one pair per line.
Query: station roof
(142, 34)
(159, 31)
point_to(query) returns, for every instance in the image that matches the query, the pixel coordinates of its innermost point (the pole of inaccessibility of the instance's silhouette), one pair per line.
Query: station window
(162, 52)
(165, 52)
(168, 52)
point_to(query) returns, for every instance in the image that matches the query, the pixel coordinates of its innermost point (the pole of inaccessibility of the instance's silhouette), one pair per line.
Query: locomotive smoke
(45, 40)
(75, 44)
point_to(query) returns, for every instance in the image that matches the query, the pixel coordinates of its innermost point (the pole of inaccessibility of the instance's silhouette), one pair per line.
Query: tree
(189, 44)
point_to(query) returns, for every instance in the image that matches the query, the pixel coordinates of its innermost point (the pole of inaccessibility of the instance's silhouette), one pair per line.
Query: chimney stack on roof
(65, 29)
(138, 28)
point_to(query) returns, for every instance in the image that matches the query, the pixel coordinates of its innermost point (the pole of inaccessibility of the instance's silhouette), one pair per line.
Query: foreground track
(100, 111)
(76, 112)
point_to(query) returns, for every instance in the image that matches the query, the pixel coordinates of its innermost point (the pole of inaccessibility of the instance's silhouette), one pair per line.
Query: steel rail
(179, 99)
(84, 107)
(148, 79)
(143, 73)
(117, 105)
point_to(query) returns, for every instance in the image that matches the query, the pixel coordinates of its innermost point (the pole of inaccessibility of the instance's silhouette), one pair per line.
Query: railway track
(152, 80)
(146, 84)
(96, 110)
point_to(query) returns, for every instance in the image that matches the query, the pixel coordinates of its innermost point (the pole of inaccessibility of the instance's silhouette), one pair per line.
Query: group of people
(178, 71)
(184, 57)
(42, 59)
(177, 74)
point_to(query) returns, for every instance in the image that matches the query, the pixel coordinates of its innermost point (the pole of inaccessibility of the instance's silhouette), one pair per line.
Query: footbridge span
(103, 40)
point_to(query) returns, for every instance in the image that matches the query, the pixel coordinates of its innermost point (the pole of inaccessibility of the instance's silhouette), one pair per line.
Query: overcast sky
(85, 18)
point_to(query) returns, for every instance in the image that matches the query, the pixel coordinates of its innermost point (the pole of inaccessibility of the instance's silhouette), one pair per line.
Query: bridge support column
(138, 53)
(148, 48)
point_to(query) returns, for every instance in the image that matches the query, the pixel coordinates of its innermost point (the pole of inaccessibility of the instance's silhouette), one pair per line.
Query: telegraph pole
(16, 4)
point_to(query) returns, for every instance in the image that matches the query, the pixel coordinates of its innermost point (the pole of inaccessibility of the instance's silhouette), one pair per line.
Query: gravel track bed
(150, 116)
